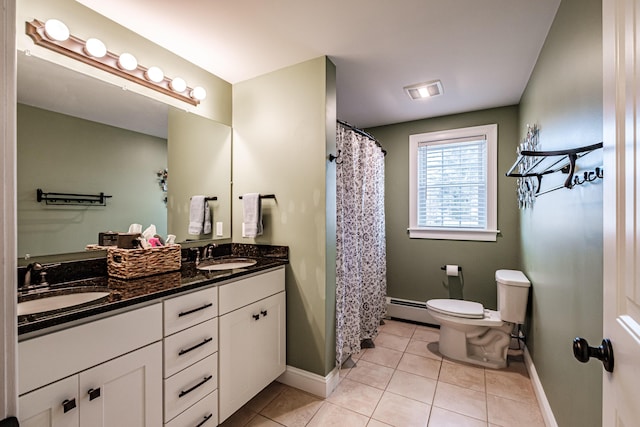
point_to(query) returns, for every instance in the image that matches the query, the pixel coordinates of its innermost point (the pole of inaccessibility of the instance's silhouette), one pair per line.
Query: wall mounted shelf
(541, 163)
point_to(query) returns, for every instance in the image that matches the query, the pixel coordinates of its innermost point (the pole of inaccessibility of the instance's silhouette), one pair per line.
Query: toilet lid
(457, 308)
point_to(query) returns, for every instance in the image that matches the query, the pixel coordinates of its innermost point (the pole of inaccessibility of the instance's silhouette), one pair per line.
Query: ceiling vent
(424, 90)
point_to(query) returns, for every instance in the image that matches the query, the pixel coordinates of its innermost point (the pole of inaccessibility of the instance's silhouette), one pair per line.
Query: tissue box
(133, 263)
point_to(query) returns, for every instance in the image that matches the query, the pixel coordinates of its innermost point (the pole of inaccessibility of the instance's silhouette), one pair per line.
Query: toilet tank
(513, 294)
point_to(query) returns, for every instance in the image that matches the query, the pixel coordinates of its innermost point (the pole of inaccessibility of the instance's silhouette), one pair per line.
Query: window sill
(454, 234)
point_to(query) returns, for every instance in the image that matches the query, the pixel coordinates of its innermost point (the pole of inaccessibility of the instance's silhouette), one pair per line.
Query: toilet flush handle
(604, 352)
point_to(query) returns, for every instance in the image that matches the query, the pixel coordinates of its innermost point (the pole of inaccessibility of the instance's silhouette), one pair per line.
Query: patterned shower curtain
(361, 269)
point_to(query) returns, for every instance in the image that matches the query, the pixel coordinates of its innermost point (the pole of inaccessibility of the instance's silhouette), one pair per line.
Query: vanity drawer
(246, 291)
(189, 386)
(204, 413)
(189, 346)
(190, 309)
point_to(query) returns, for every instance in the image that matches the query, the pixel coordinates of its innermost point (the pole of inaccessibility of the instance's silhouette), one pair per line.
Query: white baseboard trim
(545, 408)
(310, 382)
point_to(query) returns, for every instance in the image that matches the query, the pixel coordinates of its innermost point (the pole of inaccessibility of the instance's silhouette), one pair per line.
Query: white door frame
(8, 251)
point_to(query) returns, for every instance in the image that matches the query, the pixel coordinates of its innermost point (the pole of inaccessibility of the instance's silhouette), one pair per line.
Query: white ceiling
(483, 51)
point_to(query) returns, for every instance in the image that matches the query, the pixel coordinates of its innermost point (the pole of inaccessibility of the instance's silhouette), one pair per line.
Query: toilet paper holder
(444, 268)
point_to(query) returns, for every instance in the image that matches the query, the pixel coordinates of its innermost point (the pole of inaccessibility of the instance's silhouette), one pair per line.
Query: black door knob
(604, 352)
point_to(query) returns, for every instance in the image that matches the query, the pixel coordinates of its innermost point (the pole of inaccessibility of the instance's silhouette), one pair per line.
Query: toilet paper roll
(452, 270)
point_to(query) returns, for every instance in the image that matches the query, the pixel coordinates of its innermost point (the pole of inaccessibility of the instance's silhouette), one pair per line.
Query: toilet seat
(457, 308)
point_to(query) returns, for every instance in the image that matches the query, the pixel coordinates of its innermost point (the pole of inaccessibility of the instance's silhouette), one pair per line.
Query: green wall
(413, 265)
(283, 131)
(64, 154)
(562, 234)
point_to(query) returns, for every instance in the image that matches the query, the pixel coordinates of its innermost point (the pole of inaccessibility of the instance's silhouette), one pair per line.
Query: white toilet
(472, 334)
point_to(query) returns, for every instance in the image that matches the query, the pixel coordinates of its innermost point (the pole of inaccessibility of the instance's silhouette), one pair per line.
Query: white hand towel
(252, 215)
(199, 216)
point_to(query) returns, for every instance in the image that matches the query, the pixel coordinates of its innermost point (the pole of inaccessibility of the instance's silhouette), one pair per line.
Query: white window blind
(452, 183)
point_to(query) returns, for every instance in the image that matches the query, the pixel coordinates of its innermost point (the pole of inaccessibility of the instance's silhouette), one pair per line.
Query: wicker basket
(132, 263)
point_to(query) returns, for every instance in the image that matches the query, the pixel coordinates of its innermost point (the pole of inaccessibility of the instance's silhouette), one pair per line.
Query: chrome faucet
(207, 252)
(36, 268)
(31, 268)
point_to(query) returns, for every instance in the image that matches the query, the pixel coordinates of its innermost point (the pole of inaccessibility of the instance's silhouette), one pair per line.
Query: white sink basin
(57, 302)
(227, 264)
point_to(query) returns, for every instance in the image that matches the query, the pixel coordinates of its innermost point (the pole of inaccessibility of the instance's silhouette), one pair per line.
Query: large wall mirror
(80, 135)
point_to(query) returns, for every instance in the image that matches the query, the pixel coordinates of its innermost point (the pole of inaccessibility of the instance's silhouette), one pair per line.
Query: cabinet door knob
(94, 393)
(264, 313)
(68, 405)
(256, 316)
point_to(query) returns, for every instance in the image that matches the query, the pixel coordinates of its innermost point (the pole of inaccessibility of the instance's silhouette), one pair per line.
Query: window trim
(488, 234)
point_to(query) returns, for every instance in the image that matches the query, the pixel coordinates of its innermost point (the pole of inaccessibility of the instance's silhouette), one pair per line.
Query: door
(126, 391)
(621, 200)
(54, 405)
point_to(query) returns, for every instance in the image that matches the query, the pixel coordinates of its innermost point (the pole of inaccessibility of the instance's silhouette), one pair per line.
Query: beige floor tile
(394, 327)
(419, 365)
(356, 396)
(394, 342)
(511, 385)
(508, 413)
(292, 408)
(425, 333)
(382, 356)
(442, 418)
(401, 411)
(423, 348)
(461, 400)
(412, 386)
(266, 396)
(376, 423)
(240, 418)
(470, 377)
(332, 415)
(371, 374)
(260, 421)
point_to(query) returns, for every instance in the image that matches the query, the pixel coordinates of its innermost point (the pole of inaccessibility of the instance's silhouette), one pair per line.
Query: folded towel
(252, 215)
(199, 216)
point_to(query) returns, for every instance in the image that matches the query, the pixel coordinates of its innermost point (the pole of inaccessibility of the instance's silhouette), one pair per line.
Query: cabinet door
(269, 341)
(126, 391)
(252, 351)
(52, 406)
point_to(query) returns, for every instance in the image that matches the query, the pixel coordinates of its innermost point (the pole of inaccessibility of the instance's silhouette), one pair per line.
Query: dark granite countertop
(128, 293)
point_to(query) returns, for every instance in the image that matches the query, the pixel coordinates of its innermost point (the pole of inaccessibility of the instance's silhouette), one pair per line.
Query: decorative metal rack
(71, 198)
(264, 196)
(547, 162)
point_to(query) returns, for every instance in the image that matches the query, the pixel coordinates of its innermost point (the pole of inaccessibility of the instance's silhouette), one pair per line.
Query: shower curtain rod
(363, 133)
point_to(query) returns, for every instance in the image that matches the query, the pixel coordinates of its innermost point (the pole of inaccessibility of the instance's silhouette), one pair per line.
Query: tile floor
(403, 382)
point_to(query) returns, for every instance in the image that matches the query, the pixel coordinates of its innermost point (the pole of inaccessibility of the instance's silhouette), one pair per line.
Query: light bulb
(154, 74)
(128, 62)
(178, 84)
(198, 93)
(94, 47)
(56, 30)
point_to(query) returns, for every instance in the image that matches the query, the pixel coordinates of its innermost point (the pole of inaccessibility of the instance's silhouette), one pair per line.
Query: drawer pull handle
(185, 392)
(184, 313)
(264, 313)
(185, 351)
(207, 418)
(256, 316)
(93, 394)
(68, 405)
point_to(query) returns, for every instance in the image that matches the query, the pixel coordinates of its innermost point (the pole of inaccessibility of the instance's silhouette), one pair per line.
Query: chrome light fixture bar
(55, 35)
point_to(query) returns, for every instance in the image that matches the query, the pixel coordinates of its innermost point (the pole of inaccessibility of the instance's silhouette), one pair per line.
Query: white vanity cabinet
(191, 359)
(252, 337)
(103, 373)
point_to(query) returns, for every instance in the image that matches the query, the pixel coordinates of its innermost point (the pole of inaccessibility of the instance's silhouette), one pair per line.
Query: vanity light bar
(76, 48)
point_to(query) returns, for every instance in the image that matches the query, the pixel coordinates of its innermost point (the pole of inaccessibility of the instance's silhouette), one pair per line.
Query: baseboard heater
(404, 309)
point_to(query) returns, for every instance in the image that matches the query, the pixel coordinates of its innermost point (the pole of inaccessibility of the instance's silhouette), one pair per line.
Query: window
(453, 184)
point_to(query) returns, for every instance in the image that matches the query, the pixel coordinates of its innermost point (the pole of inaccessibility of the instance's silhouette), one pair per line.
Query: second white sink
(57, 302)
